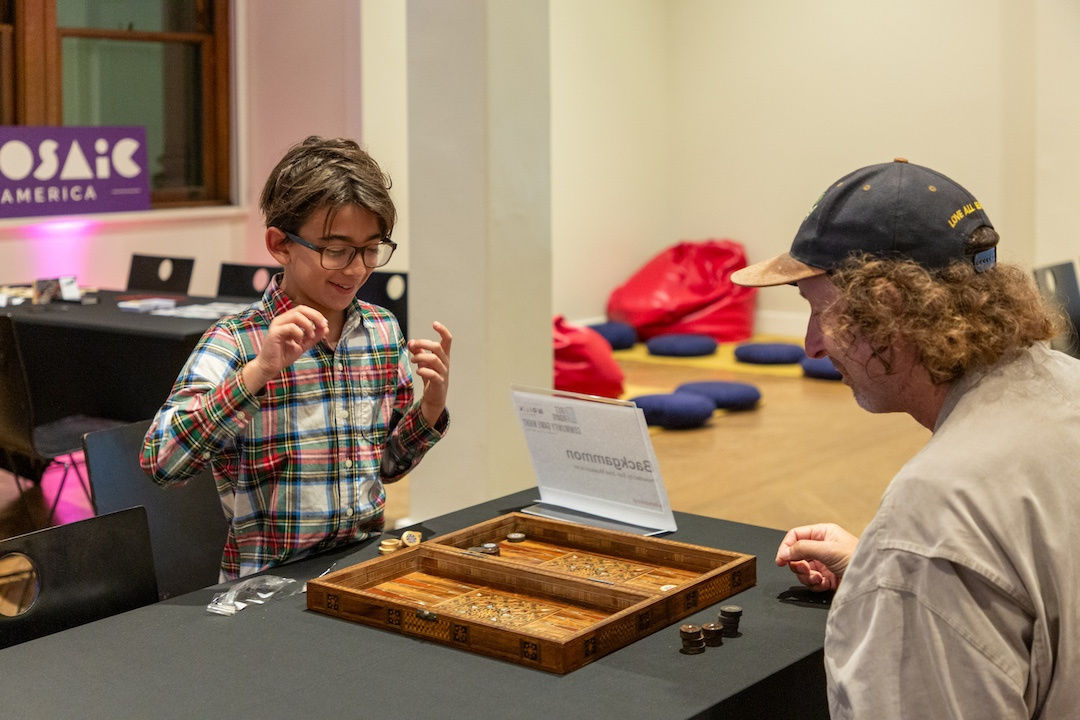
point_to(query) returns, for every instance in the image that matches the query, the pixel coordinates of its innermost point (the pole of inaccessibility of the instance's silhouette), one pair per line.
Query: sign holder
(594, 461)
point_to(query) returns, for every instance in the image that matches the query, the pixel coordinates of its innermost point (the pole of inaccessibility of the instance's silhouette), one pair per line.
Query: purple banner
(72, 170)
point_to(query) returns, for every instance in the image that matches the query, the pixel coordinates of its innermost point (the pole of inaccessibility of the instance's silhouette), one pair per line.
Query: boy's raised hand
(290, 335)
(432, 360)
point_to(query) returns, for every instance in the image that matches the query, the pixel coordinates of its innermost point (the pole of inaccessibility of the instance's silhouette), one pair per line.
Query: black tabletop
(104, 315)
(102, 361)
(173, 659)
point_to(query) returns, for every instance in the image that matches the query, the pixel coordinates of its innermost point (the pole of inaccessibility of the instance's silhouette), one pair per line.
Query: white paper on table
(594, 455)
(69, 289)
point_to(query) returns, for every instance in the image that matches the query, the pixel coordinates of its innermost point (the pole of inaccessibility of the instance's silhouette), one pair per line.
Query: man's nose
(814, 342)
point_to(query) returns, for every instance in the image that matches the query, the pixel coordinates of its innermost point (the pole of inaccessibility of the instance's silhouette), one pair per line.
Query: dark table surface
(101, 361)
(173, 659)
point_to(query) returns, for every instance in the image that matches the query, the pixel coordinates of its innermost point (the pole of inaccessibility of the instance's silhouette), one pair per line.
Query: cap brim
(781, 270)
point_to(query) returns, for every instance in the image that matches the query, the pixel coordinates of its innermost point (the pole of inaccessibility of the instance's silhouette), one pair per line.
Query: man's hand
(817, 554)
(432, 360)
(290, 335)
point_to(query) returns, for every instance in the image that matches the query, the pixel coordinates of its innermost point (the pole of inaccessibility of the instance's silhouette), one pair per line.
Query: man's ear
(279, 246)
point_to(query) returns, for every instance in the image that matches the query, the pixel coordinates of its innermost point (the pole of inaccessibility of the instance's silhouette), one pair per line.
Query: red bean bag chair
(584, 362)
(687, 289)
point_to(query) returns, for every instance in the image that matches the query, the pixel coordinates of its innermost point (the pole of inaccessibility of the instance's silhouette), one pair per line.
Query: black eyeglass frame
(363, 251)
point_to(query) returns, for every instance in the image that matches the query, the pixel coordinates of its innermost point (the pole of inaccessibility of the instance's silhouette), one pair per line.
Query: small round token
(730, 611)
(411, 537)
(713, 634)
(691, 650)
(515, 537)
(690, 632)
(387, 551)
(392, 543)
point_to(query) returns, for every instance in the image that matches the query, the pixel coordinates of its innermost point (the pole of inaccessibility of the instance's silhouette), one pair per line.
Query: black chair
(187, 523)
(245, 280)
(157, 274)
(1058, 285)
(391, 291)
(81, 572)
(27, 450)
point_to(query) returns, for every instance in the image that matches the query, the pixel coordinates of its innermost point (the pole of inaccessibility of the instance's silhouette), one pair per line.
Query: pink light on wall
(61, 247)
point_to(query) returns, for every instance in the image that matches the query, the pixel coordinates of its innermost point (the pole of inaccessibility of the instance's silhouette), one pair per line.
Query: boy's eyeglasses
(338, 257)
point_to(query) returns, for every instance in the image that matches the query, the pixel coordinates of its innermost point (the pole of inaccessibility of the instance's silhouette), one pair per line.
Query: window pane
(120, 82)
(157, 16)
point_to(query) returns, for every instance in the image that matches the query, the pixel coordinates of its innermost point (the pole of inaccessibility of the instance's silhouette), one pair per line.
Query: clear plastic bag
(253, 591)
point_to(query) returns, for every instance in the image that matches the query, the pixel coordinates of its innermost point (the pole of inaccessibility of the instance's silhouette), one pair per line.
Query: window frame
(36, 92)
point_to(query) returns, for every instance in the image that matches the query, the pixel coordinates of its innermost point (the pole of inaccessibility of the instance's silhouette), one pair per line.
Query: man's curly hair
(958, 319)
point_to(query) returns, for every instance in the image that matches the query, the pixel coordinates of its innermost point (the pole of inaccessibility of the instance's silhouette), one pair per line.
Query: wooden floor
(807, 454)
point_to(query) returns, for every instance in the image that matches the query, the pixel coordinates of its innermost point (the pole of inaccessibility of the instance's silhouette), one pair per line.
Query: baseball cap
(892, 210)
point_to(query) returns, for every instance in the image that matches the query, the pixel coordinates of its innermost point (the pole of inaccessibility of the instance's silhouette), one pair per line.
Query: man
(962, 598)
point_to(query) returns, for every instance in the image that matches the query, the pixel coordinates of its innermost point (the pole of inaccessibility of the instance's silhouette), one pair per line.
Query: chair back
(1058, 285)
(187, 523)
(157, 274)
(16, 410)
(245, 280)
(391, 291)
(84, 571)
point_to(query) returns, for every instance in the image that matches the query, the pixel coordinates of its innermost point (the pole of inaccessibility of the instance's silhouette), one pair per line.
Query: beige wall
(744, 112)
(611, 146)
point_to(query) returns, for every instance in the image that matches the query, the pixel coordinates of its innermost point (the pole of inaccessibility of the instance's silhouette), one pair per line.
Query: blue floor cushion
(725, 395)
(619, 335)
(675, 411)
(821, 368)
(682, 345)
(769, 353)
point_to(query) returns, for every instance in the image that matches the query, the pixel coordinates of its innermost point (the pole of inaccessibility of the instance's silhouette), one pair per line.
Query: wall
(611, 175)
(480, 228)
(1056, 111)
(760, 105)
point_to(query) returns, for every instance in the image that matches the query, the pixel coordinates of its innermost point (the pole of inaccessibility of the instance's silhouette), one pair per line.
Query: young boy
(303, 404)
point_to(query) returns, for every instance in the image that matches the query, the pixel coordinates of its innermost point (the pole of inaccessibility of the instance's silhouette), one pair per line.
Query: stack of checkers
(693, 639)
(392, 544)
(488, 548)
(714, 633)
(729, 620)
(389, 545)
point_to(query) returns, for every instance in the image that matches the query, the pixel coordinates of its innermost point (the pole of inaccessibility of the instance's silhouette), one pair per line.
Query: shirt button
(344, 414)
(348, 463)
(206, 455)
(349, 512)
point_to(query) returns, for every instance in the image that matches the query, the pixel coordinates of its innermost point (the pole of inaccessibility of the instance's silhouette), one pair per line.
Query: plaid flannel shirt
(299, 466)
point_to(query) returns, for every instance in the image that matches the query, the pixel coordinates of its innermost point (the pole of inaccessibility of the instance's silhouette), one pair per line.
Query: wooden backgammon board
(555, 599)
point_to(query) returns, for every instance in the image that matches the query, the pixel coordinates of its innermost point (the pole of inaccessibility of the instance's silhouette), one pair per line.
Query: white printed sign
(594, 455)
